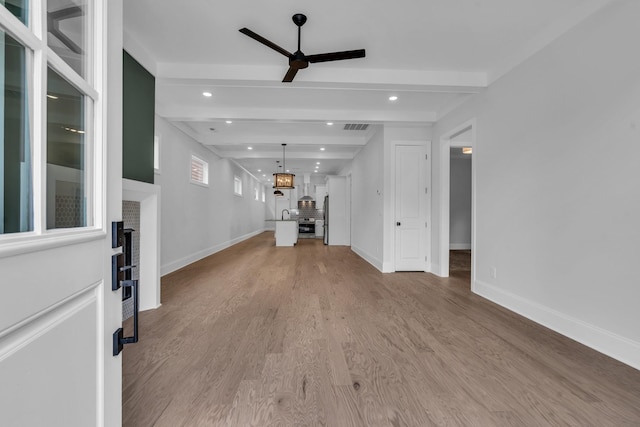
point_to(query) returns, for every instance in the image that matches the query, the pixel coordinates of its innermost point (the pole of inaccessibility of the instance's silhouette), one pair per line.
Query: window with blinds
(199, 171)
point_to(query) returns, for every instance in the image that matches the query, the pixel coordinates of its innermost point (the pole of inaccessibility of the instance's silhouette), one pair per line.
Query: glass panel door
(20, 8)
(16, 201)
(66, 25)
(67, 192)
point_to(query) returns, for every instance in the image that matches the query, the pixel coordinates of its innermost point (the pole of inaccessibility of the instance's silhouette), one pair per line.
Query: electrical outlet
(494, 273)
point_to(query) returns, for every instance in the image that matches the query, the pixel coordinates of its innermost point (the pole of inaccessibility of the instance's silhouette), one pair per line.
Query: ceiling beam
(186, 113)
(326, 76)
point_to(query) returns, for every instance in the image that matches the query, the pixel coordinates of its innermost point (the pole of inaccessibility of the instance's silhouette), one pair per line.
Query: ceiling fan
(299, 60)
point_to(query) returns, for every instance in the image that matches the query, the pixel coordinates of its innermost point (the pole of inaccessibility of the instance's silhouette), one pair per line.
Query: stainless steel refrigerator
(326, 220)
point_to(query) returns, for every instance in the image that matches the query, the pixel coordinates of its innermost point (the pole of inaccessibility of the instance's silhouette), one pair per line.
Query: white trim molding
(184, 261)
(377, 263)
(618, 347)
(149, 197)
(459, 246)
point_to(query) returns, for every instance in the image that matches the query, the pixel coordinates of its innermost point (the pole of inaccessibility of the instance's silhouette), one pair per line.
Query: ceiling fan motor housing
(299, 19)
(298, 60)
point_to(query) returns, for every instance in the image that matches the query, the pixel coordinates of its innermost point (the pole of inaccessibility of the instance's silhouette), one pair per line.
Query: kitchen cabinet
(321, 191)
(286, 232)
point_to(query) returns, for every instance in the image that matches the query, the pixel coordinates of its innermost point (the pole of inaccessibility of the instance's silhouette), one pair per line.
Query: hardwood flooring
(314, 336)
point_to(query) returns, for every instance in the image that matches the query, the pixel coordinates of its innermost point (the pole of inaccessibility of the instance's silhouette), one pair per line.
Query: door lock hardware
(119, 340)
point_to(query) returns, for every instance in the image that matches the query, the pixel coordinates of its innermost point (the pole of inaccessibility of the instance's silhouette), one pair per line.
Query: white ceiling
(432, 54)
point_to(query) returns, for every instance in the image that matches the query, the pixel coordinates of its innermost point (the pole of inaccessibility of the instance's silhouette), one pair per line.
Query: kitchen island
(286, 231)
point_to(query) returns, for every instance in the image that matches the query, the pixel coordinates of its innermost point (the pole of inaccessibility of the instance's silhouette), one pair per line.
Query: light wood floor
(314, 336)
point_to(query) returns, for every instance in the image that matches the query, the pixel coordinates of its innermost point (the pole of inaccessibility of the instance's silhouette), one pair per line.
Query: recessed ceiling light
(393, 98)
(317, 163)
(52, 96)
(249, 148)
(288, 170)
(228, 121)
(259, 170)
(264, 175)
(329, 123)
(321, 148)
(315, 171)
(207, 94)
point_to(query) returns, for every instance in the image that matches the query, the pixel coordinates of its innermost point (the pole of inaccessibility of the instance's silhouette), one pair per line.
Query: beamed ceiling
(432, 55)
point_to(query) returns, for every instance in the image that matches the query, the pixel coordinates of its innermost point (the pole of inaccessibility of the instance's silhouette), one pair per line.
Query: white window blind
(199, 171)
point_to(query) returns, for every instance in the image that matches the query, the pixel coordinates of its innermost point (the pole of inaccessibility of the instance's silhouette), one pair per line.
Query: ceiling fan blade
(288, 78)
(336, 56)
(264, 41)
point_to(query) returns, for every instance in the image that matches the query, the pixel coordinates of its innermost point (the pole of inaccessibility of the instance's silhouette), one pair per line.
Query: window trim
(157, 155)
(237, 189)
(205, 171)
(39, 57)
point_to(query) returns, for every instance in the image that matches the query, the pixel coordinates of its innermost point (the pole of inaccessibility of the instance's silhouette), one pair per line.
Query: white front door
(60, 136)
(411, 195)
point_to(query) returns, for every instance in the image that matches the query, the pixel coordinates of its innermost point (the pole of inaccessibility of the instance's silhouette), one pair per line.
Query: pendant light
(277, 193)
(283, 180)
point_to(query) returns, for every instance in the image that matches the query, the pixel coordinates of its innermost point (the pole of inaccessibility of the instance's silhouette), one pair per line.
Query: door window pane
(68, 197)
(66, 24)
(18, 7)
(16, 200)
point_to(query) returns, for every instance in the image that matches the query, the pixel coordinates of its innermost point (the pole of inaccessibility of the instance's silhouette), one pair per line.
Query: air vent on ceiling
(356, 126)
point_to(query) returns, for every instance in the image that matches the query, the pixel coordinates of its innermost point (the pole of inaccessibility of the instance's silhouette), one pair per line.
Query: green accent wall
(139, 88)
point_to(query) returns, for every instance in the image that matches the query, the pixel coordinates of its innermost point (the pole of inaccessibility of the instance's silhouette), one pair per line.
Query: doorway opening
(457, 204)
(460, 208)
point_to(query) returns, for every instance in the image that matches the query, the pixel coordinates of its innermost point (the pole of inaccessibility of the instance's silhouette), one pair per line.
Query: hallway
(313, 335)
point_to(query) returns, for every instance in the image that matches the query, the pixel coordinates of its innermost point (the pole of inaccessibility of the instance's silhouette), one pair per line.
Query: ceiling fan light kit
(298, 60)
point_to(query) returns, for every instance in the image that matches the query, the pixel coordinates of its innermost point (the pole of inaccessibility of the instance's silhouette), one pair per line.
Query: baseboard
(183, 262)
(388, 267)
(460, 246)
(620, 348)
(367, 257)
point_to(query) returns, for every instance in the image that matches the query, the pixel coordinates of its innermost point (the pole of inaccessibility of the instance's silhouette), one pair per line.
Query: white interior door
(57, 311)
(410, 208)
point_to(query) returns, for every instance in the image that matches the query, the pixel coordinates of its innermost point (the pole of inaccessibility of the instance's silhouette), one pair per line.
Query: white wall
(371, 205)
(460, 203)
(558, 184)
(367, 201)
(198, 221)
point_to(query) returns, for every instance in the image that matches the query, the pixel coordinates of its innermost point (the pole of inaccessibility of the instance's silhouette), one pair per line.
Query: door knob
(398, 223)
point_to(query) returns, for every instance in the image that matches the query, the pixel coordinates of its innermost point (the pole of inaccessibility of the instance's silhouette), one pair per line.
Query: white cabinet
(338, 215)
(286, 233)
(321, 191)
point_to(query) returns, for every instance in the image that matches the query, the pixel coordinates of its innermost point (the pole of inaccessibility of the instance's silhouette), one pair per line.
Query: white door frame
(445, 193)
(426, 242)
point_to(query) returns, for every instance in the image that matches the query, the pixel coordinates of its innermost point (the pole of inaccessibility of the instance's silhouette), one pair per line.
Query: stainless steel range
(306, 228)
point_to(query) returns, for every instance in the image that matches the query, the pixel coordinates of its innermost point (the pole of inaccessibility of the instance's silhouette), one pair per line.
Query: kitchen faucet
(282, 216)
